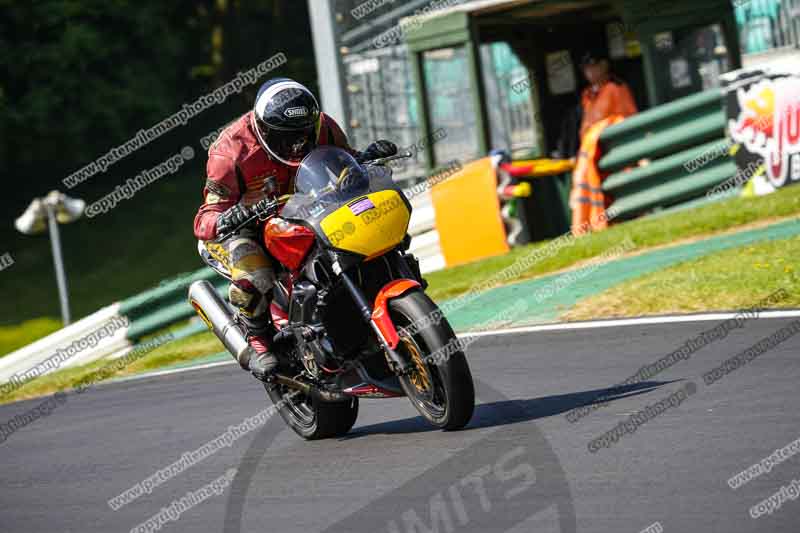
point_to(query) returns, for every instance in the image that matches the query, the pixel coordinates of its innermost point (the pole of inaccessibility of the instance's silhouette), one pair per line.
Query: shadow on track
(501, 413)
(526, 444)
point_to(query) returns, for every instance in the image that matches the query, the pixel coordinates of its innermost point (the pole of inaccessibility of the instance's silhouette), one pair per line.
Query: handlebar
(261, 211)
(384, 160)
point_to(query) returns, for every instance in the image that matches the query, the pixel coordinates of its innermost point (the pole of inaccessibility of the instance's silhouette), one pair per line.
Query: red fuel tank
(288, 243)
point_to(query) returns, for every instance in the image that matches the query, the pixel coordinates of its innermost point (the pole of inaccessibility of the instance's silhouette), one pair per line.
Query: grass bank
(730, 280)
(646, 233)
(19, 335)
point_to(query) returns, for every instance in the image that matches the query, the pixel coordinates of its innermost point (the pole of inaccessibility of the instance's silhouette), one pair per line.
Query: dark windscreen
(330, 174)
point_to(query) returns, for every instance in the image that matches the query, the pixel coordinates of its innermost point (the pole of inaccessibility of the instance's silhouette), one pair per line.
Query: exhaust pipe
(310, 390)
(219, 318)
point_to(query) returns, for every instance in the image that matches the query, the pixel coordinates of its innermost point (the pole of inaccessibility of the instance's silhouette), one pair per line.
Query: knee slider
(240, 297)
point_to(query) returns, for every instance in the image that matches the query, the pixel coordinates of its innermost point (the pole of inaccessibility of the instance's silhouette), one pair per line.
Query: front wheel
(440, 384)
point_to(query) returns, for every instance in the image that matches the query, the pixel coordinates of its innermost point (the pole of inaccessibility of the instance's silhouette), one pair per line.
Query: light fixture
(47, 213)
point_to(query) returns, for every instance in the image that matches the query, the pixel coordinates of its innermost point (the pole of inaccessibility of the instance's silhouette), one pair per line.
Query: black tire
(449, 401)
(311, 418)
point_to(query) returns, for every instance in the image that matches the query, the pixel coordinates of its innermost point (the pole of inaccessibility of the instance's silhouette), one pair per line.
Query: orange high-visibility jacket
(587, 200)
(612, 98)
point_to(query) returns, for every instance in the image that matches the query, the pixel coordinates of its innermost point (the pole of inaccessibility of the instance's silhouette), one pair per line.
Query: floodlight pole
(58, 261)
(58, 208)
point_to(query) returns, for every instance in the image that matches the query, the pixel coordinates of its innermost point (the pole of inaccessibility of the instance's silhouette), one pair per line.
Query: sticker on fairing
(361, 205)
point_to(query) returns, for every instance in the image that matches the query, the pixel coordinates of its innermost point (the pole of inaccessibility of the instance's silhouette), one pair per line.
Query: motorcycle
(349, 304)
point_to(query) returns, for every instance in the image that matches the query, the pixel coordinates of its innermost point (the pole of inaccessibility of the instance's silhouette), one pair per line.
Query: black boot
(262, 365)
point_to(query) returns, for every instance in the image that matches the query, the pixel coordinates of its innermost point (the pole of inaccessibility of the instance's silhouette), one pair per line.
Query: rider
(256, 158)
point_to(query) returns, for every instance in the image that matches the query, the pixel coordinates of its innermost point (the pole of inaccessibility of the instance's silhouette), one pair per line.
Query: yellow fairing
(373, 231)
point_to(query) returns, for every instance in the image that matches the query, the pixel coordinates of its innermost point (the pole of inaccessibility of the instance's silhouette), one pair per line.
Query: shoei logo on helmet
(296, 112)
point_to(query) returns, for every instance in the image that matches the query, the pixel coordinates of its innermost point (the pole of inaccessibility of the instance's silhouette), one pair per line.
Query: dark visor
(291, 145)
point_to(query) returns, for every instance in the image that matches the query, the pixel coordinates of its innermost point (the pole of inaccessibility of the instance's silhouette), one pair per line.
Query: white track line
(615, 323)
(563, 326)
(160, 373)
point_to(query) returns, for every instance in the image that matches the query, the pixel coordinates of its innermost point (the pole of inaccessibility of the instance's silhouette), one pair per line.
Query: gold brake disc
(419, 377)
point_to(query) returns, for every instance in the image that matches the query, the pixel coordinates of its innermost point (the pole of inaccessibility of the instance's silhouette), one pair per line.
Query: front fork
(386, 333)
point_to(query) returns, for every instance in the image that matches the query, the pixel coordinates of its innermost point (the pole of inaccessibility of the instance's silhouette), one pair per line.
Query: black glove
(378, 150)
(233, 218)
(265, 208)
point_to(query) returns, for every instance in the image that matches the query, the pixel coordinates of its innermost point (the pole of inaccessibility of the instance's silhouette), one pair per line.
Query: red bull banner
(764, 120)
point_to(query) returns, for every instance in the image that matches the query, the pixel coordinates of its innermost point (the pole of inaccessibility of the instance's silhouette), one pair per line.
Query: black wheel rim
(299, 407)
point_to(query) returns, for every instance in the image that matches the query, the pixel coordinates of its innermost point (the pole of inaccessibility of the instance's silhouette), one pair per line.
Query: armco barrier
(669, 137)
(145, 313)
(165, 305)
(663, 116)
(30, 356)
(425, 237)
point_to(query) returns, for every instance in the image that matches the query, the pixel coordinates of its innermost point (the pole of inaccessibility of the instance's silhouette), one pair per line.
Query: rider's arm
(221, 192)
(331, 134)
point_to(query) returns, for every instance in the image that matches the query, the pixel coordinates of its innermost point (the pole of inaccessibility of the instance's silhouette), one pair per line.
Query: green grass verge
(645, 233)
(199, 345)
(723, 281)
(14, 337)
(175, 352)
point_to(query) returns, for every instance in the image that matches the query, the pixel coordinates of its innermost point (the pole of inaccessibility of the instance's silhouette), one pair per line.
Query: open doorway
(549, 45)
(555, 56)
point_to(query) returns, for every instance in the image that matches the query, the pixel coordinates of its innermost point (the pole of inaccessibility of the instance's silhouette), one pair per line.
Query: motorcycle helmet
(286, 120)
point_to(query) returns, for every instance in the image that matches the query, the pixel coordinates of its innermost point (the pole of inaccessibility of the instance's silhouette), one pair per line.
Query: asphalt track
(520, 465)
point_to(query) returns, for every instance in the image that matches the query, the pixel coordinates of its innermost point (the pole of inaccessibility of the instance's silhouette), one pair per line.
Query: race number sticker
(361, 205)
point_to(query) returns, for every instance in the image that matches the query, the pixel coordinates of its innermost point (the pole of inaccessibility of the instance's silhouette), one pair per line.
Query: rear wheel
(440, 385)
(310, 417)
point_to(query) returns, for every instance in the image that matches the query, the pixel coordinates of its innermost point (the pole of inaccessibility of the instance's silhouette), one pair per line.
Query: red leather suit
(241, 171)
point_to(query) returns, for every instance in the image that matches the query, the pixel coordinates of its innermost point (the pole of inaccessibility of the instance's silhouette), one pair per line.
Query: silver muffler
(220, 319)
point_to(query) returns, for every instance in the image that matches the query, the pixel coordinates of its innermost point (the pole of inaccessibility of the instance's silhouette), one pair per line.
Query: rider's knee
(250, 302)
(240, 297)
